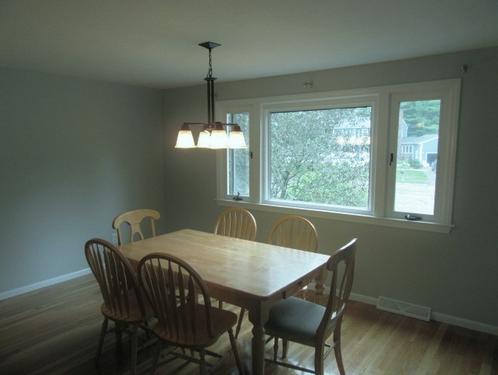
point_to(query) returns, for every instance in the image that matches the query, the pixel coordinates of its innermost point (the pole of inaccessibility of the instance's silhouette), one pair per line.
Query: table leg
(258, 316)
(319, 285)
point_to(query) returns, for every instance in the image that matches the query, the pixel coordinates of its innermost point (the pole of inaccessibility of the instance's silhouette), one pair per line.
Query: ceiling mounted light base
(209, 45)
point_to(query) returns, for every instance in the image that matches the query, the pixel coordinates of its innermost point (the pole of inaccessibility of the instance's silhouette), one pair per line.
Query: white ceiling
(154, 43)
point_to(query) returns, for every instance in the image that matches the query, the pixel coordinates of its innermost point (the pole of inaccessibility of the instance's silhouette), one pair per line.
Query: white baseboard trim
(43, 284)
(362, 298)
(439, 317)
(465, 323)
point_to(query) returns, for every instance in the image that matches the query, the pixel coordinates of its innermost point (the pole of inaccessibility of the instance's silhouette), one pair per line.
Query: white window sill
(349, 217)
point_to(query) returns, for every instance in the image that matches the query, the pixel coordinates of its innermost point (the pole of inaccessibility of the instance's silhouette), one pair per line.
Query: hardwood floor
(55, 331)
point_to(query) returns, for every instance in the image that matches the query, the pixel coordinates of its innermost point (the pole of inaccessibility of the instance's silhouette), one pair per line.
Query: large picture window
(384, 155)
(320, 157)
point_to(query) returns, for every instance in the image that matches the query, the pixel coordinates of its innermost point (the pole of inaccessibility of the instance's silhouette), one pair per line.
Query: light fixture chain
(210, 71)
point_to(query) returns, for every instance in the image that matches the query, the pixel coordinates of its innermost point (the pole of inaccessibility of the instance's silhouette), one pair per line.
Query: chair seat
(134, 315)
(221, 320)
(295, 319)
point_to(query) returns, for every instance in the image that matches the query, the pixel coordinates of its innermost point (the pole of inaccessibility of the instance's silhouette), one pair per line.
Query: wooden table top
(254, 268)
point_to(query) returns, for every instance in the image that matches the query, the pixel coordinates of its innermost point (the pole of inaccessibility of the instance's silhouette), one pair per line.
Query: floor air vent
(404, 308)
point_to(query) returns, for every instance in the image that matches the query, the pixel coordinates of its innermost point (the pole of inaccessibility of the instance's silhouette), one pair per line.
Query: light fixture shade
(236, 138)
(204, 140)
(219, 139)
(185, 138)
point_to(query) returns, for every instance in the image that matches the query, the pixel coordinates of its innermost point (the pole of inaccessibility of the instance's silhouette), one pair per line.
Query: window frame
(253, 147)
(384, 125)
(228, 151)
(448, 94)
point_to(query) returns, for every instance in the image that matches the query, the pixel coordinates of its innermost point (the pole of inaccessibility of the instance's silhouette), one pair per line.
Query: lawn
(412, 176)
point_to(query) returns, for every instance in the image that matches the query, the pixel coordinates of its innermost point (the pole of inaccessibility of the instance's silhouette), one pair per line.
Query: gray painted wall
(453, 273)
(73, 154)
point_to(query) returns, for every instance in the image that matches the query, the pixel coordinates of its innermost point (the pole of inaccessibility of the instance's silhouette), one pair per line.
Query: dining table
(248, 274)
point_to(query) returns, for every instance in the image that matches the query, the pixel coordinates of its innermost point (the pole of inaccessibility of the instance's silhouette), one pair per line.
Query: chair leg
(147, 330)
(235, 351)
(134, 349)
(156, 357)
(337, 348)
(203, 368)
(119, 337)
(239, 322)
(275, 348)
(319, 359)
(103, 331)
(285, 347)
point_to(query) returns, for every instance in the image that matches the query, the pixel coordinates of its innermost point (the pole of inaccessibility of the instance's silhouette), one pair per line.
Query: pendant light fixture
(214, 135)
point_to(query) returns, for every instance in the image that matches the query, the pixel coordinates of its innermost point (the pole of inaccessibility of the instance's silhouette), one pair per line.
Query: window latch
(237, 197)
(391, 159)
(412, 217)
(250, 154)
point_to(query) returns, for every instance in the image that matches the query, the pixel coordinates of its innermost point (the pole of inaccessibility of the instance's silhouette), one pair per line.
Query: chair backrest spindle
(294, 231)
(341, 284)
(236, 222)
(115, 276)
(173, 288)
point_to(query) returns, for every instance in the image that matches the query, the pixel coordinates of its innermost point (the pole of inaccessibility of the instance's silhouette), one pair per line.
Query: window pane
(238, 159)
(321, 156)
(417, 156)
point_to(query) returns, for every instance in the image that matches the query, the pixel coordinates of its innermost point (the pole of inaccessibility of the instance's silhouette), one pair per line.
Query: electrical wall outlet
(114, 238)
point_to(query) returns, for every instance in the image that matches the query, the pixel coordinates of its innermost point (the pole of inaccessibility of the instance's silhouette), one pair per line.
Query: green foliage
(309, 165)
(323, 156)
(421, 116)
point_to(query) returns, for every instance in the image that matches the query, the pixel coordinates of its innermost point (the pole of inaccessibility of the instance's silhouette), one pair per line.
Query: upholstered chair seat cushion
(295, 319)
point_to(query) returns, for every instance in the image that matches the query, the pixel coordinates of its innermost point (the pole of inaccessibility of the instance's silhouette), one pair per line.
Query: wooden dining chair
(134, 219)
(311, 324)
(180, 301)
(123, 303)
(295, 232)
(236, 222)
(289, 231)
